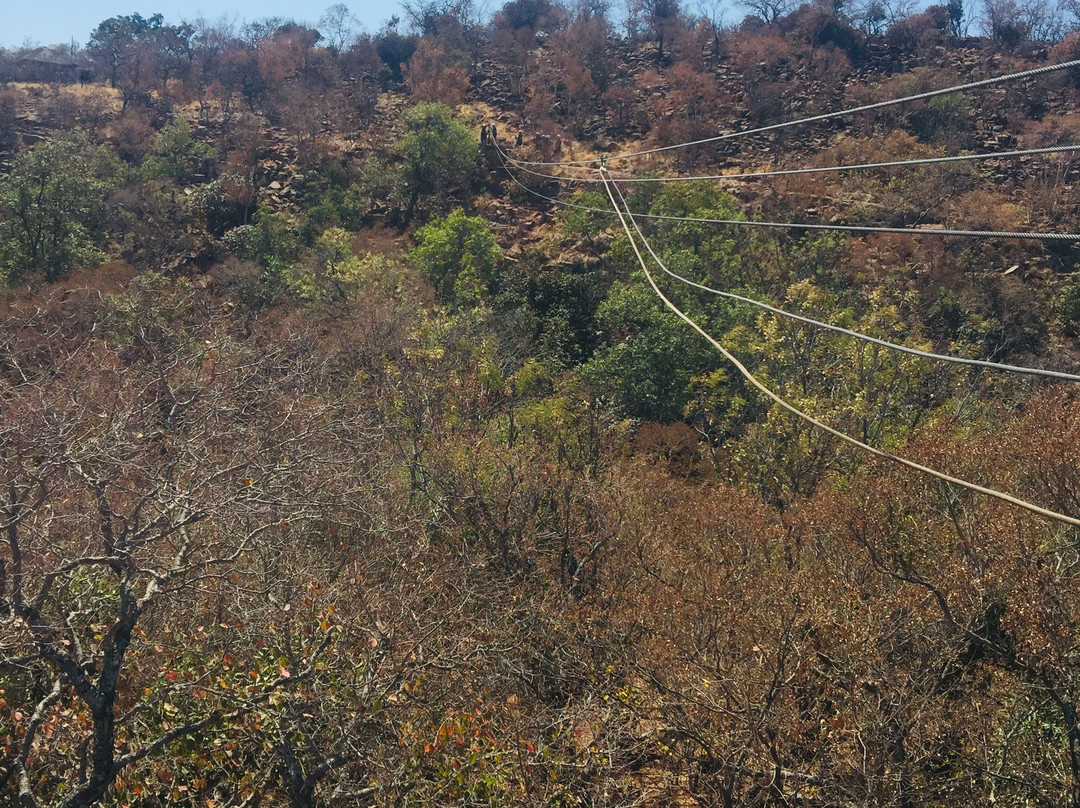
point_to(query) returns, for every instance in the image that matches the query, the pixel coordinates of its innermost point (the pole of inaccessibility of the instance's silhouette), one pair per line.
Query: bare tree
(141, 464)
(338, 27)
(769, 10)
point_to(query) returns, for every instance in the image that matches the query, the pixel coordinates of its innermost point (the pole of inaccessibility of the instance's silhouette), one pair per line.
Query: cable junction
(788, 172)
(982, 363)
(845, 228)
(1023, 74)
(624, 214)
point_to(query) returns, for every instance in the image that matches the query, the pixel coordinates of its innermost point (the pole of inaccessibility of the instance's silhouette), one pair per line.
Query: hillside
(349, 458)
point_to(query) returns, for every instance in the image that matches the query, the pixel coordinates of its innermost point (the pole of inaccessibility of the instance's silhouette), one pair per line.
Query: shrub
(440, 155)
(177, 155)
(458, 254)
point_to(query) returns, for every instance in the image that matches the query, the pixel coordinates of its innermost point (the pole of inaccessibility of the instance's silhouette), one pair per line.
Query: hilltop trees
(136, 53)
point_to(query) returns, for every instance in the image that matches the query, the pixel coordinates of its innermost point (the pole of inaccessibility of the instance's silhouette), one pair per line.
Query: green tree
(652, 356)
(653, 365)
(440, 155)
(126, 49)
(177, 155)
(51, 208)
(458, 254)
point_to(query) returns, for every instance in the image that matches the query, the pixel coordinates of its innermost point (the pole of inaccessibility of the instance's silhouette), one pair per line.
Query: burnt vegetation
(341, 466)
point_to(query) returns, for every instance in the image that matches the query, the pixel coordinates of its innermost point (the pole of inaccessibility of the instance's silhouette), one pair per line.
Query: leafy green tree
(127, 50)
(876, 395)
(458, 254)
(652, 356)
(1067, 304)
(440, 155)
(51, 208)
(652, 360)
(706, 253)
(177, 155)
(269, 239)
(584, 224)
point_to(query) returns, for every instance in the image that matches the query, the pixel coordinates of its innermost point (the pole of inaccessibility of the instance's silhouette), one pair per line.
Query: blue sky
(60, 21)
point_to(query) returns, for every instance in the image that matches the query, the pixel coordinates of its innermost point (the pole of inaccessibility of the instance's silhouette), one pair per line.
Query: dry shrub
(1053, 130)
(1066, 51)
(177, 92)
(752, 53)
(432, 76)
(983, 209)
(672, 446)
(132, 135)
(917, 81)
(690, 110)
(919, 33)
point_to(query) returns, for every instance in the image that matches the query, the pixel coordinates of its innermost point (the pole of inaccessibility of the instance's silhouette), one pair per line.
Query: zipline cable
(982, 363)
(787, 172)
(1023, 74)
(845, 228)
(609, 184)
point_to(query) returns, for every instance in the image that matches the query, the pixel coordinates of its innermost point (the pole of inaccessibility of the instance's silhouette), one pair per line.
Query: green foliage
(114, 44)
(551, 305)
(440, 155)
(380, 189)
(177, 155)
(317, 219)
(652, 355)
(946, 119)
(267, 240)
(874, 394)
(578, 223)
(706, 253)
(651, 359)
(52, 216)
(333, 271)
(1068, 308)
(458, 254)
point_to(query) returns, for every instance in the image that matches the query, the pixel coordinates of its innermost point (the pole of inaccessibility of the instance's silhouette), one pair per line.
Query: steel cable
(999, 495)
(787, 172)
(846, 228)
(1023, 74)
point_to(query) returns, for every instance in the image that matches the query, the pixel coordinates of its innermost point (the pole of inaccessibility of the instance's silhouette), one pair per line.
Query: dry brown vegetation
(336, 469)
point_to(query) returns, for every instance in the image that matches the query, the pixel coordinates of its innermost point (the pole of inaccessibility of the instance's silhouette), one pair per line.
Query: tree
(130, 49)
(770, 10)
(1003, 21)
(712, 14)
(210, 42)
(177, 155)
(435, 17)
(440, 156)
(52, 214)
(532, 15)
(663, 18)
(956, 12)
(432, 76)
(394, 50)
(154, 477)
(650, 359)
(338, 27)
(458, 254)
